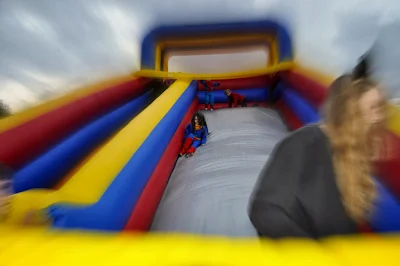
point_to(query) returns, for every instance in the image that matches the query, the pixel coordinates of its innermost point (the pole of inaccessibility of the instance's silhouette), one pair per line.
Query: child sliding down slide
(195, 135)
(235, 99)
(209, 88)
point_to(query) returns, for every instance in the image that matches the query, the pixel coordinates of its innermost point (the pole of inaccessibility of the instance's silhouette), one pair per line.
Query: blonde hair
(350, 143)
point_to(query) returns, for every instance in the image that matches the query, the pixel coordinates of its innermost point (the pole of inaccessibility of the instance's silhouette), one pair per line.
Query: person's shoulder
(313, 129)
(304, 136)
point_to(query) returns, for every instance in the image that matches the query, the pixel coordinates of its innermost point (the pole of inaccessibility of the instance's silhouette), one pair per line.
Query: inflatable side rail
(30, 247)
(48, 106)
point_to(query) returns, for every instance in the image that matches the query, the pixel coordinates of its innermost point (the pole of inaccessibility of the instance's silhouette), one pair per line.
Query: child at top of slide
(235, 99)
(209, 88)
(195, 135)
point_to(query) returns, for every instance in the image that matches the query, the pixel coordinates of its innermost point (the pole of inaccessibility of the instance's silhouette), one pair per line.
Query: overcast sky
(48, 47)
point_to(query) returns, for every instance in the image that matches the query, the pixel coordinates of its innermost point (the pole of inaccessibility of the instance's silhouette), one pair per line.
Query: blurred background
(49, 47)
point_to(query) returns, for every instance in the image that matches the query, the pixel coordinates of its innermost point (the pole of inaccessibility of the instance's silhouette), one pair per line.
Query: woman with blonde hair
(318, 181)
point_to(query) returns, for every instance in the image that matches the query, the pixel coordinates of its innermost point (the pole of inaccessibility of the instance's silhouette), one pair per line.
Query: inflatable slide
(105, 159)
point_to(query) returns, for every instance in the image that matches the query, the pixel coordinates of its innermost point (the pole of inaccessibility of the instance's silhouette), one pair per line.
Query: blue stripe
(114, 208)
(252, 95)
(49, 168)
(177, 31)
(303, 110)
(386, 214)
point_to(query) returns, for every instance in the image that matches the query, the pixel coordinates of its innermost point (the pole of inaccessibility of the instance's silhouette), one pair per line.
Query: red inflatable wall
(310, 90)
(289, 118)
(146, 207)
(389, 170)
(25, 142)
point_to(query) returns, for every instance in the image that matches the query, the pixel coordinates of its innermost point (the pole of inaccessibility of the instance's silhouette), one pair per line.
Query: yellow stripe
(253, 73)
(31, 113)
(394, 120)
(316, 76)
(88, 184)
(212, 40)
(166, 58)
(158, 58)
(21, 247)
(274, 52)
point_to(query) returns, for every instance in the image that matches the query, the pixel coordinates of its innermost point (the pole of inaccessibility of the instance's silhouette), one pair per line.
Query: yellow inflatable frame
(35, 247)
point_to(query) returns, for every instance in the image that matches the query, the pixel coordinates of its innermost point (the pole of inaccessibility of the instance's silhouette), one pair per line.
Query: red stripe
(24, 143)
(146, 207)
(364, 228)
(310, 90)
(389, 169)
(289, 117)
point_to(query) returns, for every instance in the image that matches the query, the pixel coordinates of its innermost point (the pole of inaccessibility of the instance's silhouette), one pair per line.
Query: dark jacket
(296, 194)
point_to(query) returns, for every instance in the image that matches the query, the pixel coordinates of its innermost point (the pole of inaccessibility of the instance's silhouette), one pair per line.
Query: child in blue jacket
(195, 135)
(209, 88)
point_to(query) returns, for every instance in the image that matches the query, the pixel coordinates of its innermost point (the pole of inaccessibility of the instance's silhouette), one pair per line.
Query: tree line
(5, 110)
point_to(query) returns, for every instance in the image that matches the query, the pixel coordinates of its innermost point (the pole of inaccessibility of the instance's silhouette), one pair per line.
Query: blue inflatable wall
(149, 43)
(120, 198)
(386, 216)
(252, 95)
(48, 169)
(304, 111)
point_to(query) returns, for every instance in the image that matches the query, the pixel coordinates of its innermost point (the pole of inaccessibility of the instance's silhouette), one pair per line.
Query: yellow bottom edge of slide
(35, 247)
